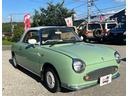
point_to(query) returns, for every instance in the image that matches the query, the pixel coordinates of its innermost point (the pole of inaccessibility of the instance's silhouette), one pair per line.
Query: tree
(18, 31)
(6, 27)
(53, 15)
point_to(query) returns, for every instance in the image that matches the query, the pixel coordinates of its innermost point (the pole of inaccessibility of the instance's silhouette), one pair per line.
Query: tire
(100, 40)
(14, 61)
(51, 80)
(85, 39)
(97, 33)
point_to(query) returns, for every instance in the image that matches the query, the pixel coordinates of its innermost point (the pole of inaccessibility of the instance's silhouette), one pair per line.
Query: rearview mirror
(32, 41)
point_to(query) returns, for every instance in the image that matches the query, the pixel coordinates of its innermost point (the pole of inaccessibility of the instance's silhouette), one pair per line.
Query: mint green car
(61, 59)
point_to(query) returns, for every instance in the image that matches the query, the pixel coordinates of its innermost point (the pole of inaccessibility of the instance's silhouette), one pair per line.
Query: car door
(30, 55)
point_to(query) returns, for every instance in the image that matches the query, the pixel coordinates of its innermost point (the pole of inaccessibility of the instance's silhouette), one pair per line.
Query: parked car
(91, 31)
(107, 26)
(118, 33)
(61, 59)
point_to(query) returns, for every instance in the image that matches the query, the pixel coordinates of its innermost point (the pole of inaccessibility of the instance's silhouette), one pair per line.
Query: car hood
(89, 53)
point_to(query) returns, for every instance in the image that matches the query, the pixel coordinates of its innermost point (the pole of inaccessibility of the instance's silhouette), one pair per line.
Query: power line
(98, 8)
(36, 1)
(113, 7)
(78, 6)
(70, 3)
(110, 9)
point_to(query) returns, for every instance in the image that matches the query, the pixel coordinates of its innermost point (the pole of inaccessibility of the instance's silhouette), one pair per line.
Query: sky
(18, 8)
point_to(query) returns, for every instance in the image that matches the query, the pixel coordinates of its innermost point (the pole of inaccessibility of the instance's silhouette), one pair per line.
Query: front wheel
(51, 80)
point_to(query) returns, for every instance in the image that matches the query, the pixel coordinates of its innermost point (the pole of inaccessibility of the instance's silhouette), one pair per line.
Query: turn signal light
(86, 77)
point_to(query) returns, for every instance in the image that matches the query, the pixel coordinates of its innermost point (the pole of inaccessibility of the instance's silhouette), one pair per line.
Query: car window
(94, 26)
(121, 26)
(59, 34)
(31, 35)
(81, 27)
(110, 26)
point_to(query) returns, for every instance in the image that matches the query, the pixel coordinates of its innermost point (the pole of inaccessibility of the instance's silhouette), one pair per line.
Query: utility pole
(11, 24)
(89, 9)
(90, 4)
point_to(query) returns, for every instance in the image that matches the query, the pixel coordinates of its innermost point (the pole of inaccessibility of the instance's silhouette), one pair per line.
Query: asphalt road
(19, 82)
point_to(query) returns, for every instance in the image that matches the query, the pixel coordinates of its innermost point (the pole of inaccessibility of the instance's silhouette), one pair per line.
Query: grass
(6, 42)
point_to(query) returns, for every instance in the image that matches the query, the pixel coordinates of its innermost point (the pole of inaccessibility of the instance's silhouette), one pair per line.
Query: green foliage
(53, 15)
(8, 38)
(18, 31)
(6, 42)
(6, 27)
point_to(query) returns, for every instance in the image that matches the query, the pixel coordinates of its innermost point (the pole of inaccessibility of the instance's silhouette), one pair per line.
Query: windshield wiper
(53, 43)
(73, 41)
(65, 41)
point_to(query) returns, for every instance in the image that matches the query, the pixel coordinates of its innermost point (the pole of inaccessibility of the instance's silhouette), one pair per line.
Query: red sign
(27, 23)
(101, 18)
(69, 21)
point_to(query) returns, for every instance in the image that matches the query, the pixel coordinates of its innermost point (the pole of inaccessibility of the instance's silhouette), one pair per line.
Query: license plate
(105, 79)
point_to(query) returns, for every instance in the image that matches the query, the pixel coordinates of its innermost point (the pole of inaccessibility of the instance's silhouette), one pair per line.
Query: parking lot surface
(19, 82)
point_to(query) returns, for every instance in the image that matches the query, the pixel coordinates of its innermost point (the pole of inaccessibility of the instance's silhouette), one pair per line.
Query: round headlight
(78, 65)
(117, 57)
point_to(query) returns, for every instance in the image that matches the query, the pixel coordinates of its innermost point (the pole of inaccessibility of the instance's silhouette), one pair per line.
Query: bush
(18, 31)
(8, 38)
(6, 42)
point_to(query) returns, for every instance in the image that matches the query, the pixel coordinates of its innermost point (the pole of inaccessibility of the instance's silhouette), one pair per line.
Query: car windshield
(66, 34)
(93, 26)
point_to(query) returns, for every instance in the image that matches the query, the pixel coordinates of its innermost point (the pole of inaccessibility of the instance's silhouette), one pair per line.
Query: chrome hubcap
(50, 79)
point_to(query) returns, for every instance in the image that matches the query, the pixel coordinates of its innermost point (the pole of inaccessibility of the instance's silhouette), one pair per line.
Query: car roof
(41, 27)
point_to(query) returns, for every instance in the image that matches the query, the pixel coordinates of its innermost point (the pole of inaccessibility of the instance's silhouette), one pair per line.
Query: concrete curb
(6, 47)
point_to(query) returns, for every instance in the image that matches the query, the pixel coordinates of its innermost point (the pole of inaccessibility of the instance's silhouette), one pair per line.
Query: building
(119, 16)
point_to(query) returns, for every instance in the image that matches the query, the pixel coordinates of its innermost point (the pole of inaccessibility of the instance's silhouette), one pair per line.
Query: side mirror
(32, 41)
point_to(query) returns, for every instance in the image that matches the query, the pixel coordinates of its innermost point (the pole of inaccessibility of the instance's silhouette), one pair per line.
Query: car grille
(96, 74)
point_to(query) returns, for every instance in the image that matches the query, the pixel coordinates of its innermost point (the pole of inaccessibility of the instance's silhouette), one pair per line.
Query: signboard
(101, 18)
(27, 23)
(69, 21)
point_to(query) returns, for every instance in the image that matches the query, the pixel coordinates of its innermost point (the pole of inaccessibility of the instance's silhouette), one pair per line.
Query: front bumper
(87, 85)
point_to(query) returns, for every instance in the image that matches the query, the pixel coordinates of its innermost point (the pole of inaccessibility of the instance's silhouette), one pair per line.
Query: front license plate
(105, 79)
